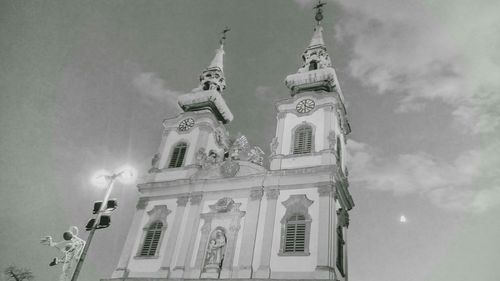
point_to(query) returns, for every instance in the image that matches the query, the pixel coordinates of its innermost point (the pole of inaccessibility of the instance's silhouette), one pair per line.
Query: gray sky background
(85, 85)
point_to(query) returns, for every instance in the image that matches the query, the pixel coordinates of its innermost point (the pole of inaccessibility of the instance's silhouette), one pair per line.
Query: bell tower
(199, 130)
(312, 124)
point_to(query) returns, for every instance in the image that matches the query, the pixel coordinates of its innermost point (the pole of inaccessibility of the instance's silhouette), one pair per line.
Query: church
(212, 207)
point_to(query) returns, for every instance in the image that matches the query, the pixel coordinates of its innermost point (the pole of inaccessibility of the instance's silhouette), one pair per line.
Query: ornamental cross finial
(223, 37)
(319, 11)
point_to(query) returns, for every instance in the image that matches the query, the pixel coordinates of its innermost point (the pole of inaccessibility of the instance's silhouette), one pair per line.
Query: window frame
(147, 230)
(303, 125)
(296, 205)
(178, 145)
(158, 213)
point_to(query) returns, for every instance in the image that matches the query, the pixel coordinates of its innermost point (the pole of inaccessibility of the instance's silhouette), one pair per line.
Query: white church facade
(208, 207)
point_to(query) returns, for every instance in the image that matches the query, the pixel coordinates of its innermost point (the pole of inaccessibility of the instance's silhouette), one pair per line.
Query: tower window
(313, 65)
(302, 142)
(295, 234)
(151, 239)
(295, 226)
(177, 158)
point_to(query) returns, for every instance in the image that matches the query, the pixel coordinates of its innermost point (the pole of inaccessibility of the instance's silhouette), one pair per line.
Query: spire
(208, 95)
(218, 59)
(213, 76)
(317, 38)
(316, 72)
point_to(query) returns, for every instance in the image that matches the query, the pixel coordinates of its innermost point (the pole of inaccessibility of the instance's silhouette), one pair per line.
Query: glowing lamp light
(402, 219)
(127, 175)
(100, 178)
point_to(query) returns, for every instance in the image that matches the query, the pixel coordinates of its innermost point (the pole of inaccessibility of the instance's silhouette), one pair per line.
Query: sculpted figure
(215, 251)
(255, 155)
(71, 248)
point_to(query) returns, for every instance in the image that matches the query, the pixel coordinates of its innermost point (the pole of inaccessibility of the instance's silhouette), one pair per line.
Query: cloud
(425, 52)
(469, 182)
(150, 86)
(263, 93)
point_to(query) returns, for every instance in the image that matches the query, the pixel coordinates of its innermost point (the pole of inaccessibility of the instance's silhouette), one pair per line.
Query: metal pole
(111, 180)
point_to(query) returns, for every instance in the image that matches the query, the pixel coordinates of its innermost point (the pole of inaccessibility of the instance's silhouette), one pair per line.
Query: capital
(272, 194)
(142, 203)
(196, 198)
(182, 200)
(256, 194)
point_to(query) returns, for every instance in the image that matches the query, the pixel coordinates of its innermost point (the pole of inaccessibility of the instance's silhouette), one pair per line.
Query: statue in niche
(215, 251)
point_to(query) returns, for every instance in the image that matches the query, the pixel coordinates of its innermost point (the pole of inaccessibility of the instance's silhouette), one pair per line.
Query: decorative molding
(224, 205)
(142, 203)
(325, 190)
(229, 168)
(159, 212)
(272, 194)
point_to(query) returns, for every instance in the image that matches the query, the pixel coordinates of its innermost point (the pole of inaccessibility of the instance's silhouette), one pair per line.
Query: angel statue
(71, 247)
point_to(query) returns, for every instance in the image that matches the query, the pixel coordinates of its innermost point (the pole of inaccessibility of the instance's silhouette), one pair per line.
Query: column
(189, 232)
(264, 270)
(174, 233)
(249, 234)
(326, 228)
(193, 223)
(128, 251)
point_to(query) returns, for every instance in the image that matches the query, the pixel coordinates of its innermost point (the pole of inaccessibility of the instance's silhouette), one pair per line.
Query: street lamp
(103, 178)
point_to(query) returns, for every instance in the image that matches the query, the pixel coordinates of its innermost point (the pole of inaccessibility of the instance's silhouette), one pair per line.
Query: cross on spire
(319, 11)
(223, 37)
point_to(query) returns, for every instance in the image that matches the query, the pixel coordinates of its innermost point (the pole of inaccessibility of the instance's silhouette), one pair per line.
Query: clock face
(186, 124)
(305, 106)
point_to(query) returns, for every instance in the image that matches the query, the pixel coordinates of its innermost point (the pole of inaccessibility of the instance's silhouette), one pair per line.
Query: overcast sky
(85, 85)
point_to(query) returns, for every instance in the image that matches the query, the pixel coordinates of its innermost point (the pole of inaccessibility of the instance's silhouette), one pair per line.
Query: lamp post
(128, 175)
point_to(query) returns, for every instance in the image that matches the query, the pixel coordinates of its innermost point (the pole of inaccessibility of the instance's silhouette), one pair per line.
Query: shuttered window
(178, 154)
(151, 240)
(295, 234)
(302, 140)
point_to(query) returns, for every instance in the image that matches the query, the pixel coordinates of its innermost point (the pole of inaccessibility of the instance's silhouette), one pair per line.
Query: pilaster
(249, 234)
(190, 231)
(326, 225)
(128, 251)
(264, 270)
(172, 240)
(194, 215)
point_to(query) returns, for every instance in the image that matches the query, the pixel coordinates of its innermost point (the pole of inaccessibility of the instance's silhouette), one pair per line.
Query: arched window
(151, 239)
(313, 65)
(295, 234)
(295, 226)
(302, 140)
(177, 158)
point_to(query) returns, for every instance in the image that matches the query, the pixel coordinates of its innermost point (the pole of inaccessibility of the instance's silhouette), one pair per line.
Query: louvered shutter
(295, 234)
(178, 154)
(152, 239)
(302, 140)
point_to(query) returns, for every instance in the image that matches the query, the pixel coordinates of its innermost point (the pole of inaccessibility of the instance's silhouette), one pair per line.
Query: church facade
(208, 207)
